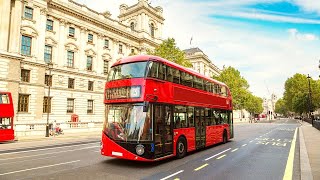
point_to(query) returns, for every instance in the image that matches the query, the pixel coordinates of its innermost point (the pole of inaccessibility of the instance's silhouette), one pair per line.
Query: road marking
(244, 145)
(289, 167)
(197, 169)
(251, 141)
(221, 156)
(172, 175)
(3, 159)
(41, 167)
(42, 149)
(27, 160)
(235, 150)
(177, 179)
(217, 154)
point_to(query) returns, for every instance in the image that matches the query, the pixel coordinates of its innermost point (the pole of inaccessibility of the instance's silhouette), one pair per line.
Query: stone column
(14, 45)
(5, 7)
(62, 36)
(82, 64)
(98, 62)
(42, 34)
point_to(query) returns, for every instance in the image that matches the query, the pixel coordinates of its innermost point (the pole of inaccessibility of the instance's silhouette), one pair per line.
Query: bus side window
(153, 71)
(162, 72)
(189, 80)
(176, 76)
(169, 74)
(190, 116)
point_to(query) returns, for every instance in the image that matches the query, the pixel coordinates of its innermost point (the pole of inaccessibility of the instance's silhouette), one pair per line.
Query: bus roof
(138, 58)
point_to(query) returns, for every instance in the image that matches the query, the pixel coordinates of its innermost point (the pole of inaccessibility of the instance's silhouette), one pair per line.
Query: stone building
(201, 62)
(68, 47)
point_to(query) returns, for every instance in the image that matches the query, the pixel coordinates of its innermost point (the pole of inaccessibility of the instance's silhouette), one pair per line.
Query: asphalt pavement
(258, 151)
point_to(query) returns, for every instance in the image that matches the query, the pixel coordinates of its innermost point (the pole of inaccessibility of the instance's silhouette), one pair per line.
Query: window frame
(46, 54)
(90, 38)
(26, 48)
(49, 25)
(47, 104)
(90, 105)
(25, 75)
(90, 85)
(71, 83)
(72, 32)
(28, 14)
(70, 105)
(48, 80)
(70, 62)
(89, 59)
(23, 103)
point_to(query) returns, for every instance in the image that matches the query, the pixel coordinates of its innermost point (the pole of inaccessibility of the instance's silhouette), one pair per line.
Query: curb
(48, 146)
(305, 168)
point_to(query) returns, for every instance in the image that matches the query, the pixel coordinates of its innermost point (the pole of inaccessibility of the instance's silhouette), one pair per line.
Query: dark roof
(192, 50)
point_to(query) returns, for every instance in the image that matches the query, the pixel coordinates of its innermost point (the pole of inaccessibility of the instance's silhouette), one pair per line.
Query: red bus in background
(157, 109)
(6, 117)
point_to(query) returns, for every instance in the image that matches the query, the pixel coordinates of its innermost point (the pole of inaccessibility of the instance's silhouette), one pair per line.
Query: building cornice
(11, 56)
(131, 10)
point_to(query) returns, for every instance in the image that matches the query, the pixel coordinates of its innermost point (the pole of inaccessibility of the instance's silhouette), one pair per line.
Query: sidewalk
(312, 144)
(33, 142)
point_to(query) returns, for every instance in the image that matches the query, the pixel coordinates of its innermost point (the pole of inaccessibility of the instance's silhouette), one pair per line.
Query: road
(258, 151)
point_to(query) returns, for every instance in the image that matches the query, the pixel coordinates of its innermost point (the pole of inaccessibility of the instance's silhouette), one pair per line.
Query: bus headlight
(135, 91)
(139, 149)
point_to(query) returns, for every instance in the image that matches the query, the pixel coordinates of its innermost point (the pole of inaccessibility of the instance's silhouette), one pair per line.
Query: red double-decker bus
(6, 117)
(157, 109)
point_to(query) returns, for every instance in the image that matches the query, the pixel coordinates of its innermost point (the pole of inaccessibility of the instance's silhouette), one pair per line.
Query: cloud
(309, 5)
(294, 33)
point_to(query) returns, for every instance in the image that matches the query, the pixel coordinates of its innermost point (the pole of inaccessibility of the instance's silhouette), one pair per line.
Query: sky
(268, 41)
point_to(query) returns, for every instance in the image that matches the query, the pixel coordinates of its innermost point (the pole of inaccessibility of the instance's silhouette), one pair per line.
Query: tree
(281, 107)
(168, 50)
(296, 95)
(253, 104)
(237, 85)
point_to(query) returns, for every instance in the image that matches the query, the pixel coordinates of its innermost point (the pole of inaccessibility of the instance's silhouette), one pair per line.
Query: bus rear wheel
(181, 149)
(225, 137)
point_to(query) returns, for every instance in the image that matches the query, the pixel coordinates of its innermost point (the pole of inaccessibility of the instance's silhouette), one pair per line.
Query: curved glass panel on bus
(4, 99)
(126, 71)
(128, 122)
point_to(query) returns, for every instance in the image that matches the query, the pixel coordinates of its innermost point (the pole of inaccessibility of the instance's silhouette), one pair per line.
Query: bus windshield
(128, 122)
(125, 71)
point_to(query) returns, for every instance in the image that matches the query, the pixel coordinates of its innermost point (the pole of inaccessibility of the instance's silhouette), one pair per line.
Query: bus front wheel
(181, 149)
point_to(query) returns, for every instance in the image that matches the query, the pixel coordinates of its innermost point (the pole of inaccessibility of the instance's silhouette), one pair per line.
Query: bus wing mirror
(145, 106)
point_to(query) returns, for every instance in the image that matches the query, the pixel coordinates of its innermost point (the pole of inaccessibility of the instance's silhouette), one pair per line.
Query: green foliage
(296, 93)
(253, 104)
(238, 86)
(281, 107)
(168, 50)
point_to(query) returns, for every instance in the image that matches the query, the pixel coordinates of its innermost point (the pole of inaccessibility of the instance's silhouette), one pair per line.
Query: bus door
(230, 122)
(163, 130)
(200, 128)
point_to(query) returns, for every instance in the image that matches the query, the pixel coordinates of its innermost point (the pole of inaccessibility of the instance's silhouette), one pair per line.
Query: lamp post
(309, 99)
(49, 67)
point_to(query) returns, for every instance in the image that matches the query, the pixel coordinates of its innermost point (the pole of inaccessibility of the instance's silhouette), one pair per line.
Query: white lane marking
(48, 153)
(251, 141)
(41, 167)
(28, 160)
(172, 175)
(244, 145)
(235, 150)
(42, 149)
(217, 154)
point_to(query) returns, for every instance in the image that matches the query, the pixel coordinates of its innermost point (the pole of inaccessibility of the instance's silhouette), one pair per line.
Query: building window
(120, 48)
(70, 105)
(152, 30)
(23, 103)
(90, 107)
(47, 54)
(26, 45)
(48, 80)
(46, 104)
(89, 63)
(106, 67)
(106, 43)
(70, 59)
(90, 85)
(49, 25)
(71, 31)
(25, 75)
(132, 26)
(90, 38)
(28, 13)
(71, 83)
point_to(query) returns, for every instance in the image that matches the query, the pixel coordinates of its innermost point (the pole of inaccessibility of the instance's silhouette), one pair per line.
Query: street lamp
(309, 100)
(49, 67)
